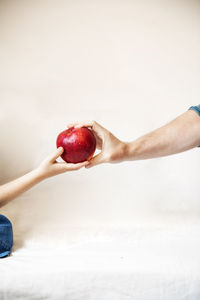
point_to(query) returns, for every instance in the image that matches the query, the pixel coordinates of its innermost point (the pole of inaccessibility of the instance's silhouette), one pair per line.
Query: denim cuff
(6, 236)
(195, 108)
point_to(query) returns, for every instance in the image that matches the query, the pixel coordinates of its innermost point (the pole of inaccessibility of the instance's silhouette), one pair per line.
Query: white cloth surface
(105, 264)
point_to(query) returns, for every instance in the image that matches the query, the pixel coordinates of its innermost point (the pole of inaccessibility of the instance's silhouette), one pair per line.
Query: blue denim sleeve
(195, 108)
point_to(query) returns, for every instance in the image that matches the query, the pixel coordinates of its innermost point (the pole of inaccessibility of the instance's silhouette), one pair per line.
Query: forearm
(48, 168)
(181, 134)
(18, 186)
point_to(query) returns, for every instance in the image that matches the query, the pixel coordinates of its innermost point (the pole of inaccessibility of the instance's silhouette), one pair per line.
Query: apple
(79, 144)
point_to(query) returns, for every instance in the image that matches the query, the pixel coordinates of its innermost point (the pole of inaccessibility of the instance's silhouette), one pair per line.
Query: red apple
(79, 144)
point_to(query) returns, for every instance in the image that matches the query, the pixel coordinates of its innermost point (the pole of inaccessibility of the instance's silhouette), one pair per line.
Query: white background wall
(132, 66)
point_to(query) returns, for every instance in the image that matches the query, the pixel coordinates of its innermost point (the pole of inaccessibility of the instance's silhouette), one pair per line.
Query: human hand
(112, 149)
(50, 167)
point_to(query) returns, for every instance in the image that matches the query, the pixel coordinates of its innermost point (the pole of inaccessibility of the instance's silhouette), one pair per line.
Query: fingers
(80, 124)
(52, 157)
(71, 167)
(96, 127)
(96, 160)
(78, 165)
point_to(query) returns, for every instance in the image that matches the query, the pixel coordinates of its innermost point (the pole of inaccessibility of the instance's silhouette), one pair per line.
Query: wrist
(120, 152)
(125, 151)
(39, 174)
(129, 151)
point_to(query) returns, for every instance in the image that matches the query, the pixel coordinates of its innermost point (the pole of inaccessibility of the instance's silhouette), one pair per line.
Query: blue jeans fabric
(6, 236)
(195, 108)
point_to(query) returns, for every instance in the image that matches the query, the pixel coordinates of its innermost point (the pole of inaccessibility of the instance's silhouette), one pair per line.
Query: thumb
(99, 130)
(96, 160)
(52, 157)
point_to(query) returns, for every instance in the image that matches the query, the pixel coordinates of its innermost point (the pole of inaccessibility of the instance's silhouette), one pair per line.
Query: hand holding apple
(79, 144)
(112, 149)
(50, 167)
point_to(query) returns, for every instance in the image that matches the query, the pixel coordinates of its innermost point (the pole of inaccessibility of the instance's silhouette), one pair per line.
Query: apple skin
(79, 144)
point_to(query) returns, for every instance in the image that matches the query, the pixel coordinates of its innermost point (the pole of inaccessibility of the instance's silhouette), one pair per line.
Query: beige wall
(132, 66)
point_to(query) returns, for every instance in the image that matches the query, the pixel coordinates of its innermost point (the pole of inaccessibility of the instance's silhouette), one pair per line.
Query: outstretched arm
(49, 167)
(181, 134)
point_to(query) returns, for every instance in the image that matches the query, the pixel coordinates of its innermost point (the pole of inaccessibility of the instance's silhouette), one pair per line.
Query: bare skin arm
(48, 168)
(181, 134)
